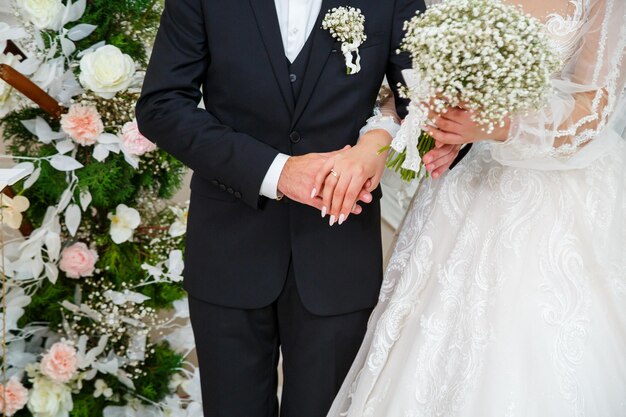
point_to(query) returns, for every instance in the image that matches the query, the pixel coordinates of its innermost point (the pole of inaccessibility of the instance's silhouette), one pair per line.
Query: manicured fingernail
(332, 220)
(342, 217)
(314, 192)
(323, 212)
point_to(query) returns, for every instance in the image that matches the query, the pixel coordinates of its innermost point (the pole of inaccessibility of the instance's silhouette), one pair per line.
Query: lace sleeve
(385, 115)
(586, 112)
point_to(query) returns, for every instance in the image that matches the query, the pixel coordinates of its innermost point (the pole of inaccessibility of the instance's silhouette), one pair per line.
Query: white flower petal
(65, 163)
(65, 199)
(80, 31)
(76, 10)
(100, 152)
(65, 146)
(53, 245)
(85, 199)
(72, 218)
(52, 272)
(68, 47)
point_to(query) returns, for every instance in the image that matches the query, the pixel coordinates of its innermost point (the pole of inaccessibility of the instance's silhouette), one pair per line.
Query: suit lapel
(267, 21)
(322, 46)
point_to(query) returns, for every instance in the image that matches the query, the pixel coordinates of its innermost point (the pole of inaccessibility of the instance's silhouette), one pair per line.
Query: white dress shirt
(297, 20)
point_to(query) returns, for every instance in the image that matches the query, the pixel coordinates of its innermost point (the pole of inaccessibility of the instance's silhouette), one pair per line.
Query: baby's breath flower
(486, 55)
(347, 25)
(482, 55)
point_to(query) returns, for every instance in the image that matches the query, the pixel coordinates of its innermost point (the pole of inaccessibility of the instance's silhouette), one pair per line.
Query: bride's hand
(343, 177)
(456, 127)
(438, 160)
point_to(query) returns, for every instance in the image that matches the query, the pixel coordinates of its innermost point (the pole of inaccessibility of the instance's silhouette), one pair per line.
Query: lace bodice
(587, 104)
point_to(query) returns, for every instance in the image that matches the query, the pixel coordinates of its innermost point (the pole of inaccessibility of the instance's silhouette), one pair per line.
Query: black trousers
(238, 353)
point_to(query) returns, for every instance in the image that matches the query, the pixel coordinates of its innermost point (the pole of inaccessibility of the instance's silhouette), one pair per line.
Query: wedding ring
(334, 173)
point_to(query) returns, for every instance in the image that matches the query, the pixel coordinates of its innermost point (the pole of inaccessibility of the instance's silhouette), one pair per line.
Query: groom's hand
(298, 176)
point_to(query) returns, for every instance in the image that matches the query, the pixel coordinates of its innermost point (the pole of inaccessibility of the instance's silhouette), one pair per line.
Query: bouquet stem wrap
(411, 143)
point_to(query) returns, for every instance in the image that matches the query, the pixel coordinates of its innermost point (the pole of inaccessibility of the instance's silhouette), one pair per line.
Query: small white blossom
(102, 389)
(174, 266)
(11, 210)
(179, 226)
(123, 223)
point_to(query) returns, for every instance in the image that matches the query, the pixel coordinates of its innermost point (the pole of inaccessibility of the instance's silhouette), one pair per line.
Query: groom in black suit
(267, 274)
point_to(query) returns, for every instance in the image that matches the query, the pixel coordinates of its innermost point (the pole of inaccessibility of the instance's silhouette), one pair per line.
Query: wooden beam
(31, 90)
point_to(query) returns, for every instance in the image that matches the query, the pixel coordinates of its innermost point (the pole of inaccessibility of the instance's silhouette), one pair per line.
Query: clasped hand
(337, 182)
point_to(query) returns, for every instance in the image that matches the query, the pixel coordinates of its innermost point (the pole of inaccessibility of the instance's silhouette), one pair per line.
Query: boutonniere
(347, 25)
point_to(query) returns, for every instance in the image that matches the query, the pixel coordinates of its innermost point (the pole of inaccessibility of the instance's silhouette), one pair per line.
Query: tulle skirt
(505, 296)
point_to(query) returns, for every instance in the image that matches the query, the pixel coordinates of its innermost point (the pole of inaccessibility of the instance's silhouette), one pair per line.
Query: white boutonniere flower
(347, 25)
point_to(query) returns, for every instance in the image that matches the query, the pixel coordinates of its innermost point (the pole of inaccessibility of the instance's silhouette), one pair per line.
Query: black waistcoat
(297, 69)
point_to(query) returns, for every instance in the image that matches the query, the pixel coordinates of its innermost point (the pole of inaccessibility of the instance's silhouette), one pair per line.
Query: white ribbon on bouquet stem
(411, 129)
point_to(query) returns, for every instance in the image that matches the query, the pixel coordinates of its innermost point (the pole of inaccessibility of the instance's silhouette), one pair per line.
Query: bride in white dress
(506, 294)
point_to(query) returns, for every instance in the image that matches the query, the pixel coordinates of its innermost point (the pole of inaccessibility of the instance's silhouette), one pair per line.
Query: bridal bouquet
(483, 55)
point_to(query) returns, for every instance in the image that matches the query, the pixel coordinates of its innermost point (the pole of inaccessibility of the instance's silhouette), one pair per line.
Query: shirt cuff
(269, 187)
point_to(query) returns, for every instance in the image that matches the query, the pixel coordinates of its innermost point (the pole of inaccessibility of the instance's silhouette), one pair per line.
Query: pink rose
(83, 124)
(134, 142)
(12, 398)
(60, 363)
(78, 260)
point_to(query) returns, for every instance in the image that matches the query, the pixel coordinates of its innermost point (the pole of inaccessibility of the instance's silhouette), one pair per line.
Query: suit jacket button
(214, 182)
(222, 187)
(230, 190)
(294, 137)
(293, 78)
(237, 194)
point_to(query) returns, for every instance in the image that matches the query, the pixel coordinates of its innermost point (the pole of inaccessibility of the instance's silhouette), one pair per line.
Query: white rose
(106, 71)
(44, 14)
(50, 399)
(7, 99)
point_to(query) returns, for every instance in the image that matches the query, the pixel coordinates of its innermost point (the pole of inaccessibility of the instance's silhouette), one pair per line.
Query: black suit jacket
(239, 245)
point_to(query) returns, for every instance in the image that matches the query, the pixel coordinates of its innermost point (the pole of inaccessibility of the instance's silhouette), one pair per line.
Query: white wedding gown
(506, 294)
